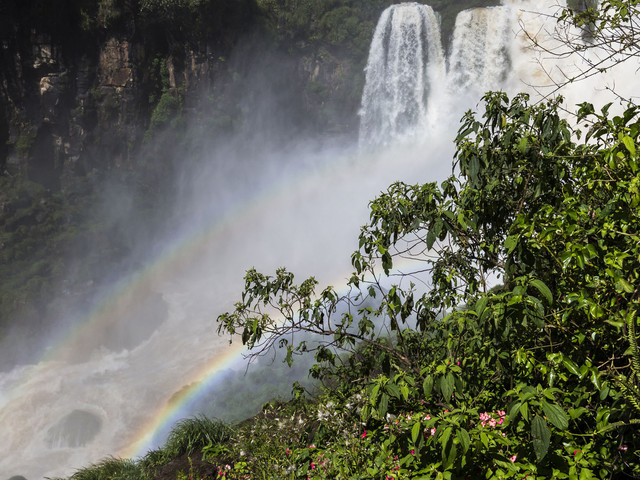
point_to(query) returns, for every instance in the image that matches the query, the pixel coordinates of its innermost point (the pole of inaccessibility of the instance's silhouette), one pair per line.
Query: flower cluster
(492, 419)
(222, 471)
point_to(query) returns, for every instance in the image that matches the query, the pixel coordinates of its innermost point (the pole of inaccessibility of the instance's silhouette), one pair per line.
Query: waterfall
(405, 61)
(408, 92)
(479, 59)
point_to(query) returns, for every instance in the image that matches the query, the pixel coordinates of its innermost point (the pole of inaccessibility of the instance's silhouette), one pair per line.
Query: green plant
(191, 435)
(166, 113)
(110, 469)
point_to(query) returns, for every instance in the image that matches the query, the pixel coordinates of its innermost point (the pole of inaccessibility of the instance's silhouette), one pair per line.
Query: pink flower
(433, 431)
(427, 417)
(364, 434)
(413, 452)
(513, 459)
(623, 448)
(288, 452)
(313, 465)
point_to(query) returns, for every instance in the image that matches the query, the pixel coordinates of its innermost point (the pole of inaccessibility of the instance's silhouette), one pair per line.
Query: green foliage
(110, 469)
(193, 434)
(167, 113)
(35, 227)
(610, 28)
(24, 143)
(521, 379)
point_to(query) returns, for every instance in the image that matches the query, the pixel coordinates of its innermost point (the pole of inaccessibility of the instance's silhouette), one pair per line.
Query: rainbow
(170, 413)
(183, 251)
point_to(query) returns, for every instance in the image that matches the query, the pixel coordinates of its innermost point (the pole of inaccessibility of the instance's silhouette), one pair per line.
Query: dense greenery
(509, 378)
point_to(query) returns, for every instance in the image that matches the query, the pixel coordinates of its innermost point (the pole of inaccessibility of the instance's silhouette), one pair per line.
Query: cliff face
(76, 97)
(69, 107)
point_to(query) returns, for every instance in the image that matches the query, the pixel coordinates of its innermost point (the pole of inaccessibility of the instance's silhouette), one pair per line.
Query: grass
(193, 434)
(111, 469)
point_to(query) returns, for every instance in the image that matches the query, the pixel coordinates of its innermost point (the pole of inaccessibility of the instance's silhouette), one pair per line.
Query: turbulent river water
(67, 410)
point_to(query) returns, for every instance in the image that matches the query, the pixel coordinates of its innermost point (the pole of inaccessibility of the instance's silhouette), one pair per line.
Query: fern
(629, 385)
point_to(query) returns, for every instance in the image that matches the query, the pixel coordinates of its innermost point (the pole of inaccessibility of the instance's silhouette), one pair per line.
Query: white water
(479, 59)
(491, 49)
(308, 220)
(405, 66)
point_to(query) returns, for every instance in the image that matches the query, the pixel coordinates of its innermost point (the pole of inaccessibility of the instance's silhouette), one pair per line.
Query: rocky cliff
(82, 84)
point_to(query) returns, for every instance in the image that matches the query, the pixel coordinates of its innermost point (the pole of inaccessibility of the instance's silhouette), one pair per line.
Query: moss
(166, 112)
(24, 143)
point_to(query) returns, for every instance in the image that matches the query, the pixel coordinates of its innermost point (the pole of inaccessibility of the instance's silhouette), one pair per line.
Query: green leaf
(543, 289)
(628, 142)
(450, 457)
(571, 366)
(415, 432)
(465, 440)
(511, 242)
(427, 386)
(383, 405)
(481, 304)
(404, 389)
(540, 436)
(484, 439)
(444, 438)
(514, 410)
(626, 286)
(596, 379)
(522, 145)
(431, 238)
(447, 385)
(555, 414)
(393, 390)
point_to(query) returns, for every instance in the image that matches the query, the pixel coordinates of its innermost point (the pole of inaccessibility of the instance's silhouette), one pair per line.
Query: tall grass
(111, 469)
(193, 434)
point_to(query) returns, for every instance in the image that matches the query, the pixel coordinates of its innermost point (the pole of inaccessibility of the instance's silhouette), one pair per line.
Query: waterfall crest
(405, 61)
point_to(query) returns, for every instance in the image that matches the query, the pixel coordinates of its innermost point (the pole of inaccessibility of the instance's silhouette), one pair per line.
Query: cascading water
(64, 413)
(479, 59)
(405, 62)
